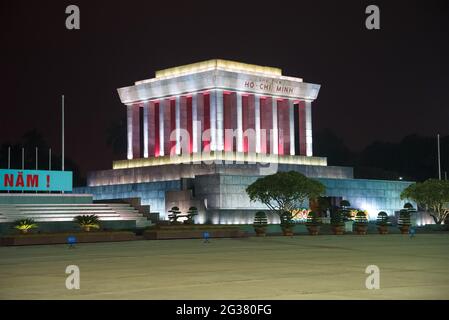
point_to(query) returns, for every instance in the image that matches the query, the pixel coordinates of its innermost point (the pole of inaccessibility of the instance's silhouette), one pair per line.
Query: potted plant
(193, 211)
(87, 222)
(24, 225)
(337, 222)
(313, 223)
(404, 221)
(361, 223)
(260, 223)
(382, 222)
(287, 224)
(174, 215)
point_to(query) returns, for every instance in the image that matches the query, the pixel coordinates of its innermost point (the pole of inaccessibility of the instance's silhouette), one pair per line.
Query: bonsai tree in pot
(313, 223)
(24, 225)
(287, 224)
(382, 222)
(174, 215)
(361, 223)
(87, 222)
(337, 222)
(404, 221)
(191, 214)
(260, 223)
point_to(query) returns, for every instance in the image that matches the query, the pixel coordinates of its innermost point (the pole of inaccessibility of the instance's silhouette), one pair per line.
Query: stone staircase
(42, 213)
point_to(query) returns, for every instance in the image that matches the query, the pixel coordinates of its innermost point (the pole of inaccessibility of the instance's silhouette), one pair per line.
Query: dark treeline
(29, 141)
(413, 158)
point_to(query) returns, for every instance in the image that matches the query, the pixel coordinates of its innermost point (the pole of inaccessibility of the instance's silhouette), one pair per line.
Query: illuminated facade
(222, 107)
(199, 134)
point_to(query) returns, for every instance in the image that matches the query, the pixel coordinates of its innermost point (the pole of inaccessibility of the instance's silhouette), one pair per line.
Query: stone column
(274, 143)
(308, 111)
(220, 120)
(257, 121)
(161, 127)
(178, 123)
(292, 126)
(145, 129)
(213, 120)
(194, 122)
(129, 118)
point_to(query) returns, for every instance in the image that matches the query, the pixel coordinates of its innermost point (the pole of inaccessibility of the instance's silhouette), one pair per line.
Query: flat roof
(218, 64)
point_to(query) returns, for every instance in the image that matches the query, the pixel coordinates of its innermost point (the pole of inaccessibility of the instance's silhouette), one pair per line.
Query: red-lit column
(230, 120)
(166, 109)
(136, 130)
(249, 123)
(184, 117)
(189, 124)
(173, 134)
(150, 129)
(206, 122)
(266, 124)
(283, 127)
(291, 116)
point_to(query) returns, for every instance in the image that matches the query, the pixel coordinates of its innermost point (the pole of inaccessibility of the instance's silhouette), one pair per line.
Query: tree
(432, 195)
(193, 211)
(174, 215)
(284, 192)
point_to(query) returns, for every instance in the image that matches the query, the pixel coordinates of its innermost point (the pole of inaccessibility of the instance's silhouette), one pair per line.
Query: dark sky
(376, 85)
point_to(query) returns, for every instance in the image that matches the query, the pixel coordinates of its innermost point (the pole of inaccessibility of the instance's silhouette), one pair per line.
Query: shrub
(86, 222)
(24, 225)
(193, 211)
(337, 219)
(360, 218)
(382, 219)
(260, 219)
(404, 217)
(174, 215)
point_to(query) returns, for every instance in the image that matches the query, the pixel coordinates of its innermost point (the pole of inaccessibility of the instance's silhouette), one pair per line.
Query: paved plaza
(299, 267)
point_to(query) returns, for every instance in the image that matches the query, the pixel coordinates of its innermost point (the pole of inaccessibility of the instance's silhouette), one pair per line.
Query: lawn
(299, 267)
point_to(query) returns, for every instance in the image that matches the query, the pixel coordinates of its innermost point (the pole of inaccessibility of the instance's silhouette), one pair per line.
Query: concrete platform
(300, 267)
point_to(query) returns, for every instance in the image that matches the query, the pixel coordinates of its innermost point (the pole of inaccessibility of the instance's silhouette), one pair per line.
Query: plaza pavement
(299, 267)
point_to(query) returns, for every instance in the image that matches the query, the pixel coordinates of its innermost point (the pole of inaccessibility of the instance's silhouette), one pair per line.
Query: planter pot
(260, 231)
(382, 229)
(287, 231)
(313, 229)
(361, 229)
(24, 231)
(404, 229)
(86, 229)
(338, 229)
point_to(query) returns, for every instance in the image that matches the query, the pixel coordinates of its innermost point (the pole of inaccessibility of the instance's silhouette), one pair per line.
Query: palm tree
(24, 225)
(86, 222)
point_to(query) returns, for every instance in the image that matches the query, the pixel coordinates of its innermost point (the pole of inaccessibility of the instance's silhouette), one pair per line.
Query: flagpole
(62, 164)
(439, 160)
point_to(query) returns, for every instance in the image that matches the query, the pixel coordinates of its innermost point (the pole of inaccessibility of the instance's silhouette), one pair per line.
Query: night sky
(376, 85)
